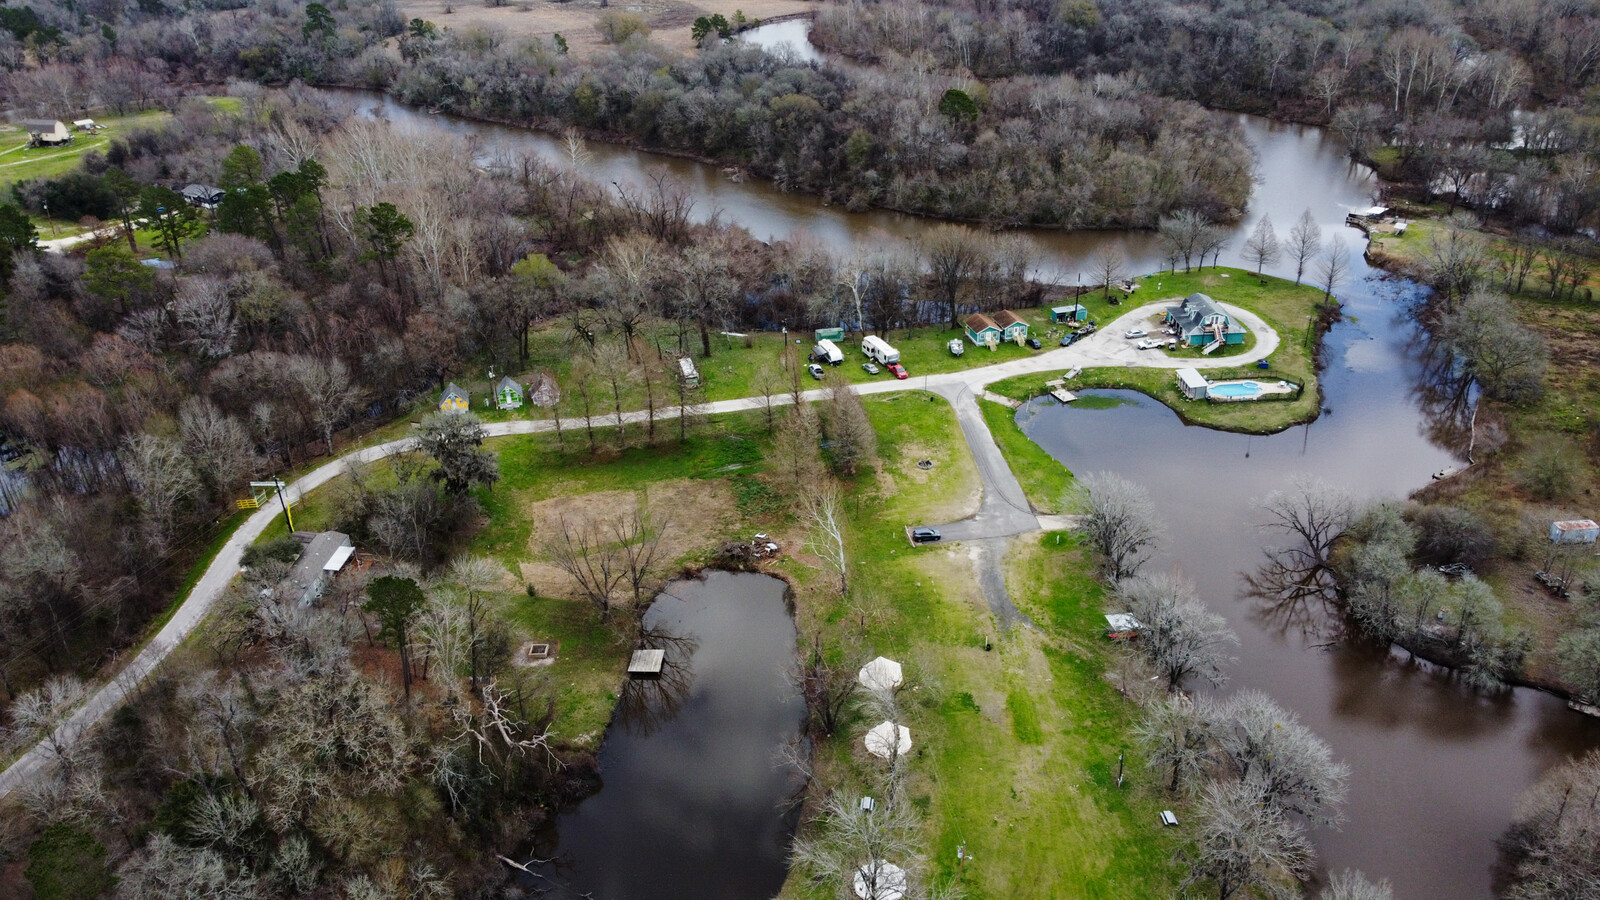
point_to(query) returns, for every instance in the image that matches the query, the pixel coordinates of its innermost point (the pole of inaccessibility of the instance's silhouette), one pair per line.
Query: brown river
(1436, 768)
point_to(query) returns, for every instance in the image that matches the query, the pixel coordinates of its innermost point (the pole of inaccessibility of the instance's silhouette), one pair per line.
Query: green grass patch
(1024, 718)
(1043, 478)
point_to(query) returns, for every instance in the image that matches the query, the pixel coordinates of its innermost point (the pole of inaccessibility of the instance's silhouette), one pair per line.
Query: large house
(1201, 320)
(47, 132)
(325, 554)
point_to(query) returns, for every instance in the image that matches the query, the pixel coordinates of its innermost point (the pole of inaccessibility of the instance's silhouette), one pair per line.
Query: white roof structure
(338, 559)
(880, 880)
(888, 740)
(1191, 378)
(1371, 212)
(882, 674)
(1123, 622)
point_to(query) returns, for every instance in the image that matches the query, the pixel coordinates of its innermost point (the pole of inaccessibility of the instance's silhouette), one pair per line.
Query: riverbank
(1298, 313)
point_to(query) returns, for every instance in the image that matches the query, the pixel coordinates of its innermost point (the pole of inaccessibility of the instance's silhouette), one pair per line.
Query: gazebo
(888, 740)
(880, 880)
(882, 674)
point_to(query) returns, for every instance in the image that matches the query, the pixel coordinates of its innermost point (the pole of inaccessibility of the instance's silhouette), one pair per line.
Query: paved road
(1003, 512)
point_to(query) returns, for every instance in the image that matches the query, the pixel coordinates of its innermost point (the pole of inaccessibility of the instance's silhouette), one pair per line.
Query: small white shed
(1574, 531)
(687, 371)
(1192, 383)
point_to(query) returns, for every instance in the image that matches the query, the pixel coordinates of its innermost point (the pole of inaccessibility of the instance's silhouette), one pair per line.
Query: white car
(1132, 333)
(1147, 344)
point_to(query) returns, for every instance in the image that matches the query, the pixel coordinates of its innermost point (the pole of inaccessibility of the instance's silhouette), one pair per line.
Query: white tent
(887, 742)
(882, 674)
(880, 880)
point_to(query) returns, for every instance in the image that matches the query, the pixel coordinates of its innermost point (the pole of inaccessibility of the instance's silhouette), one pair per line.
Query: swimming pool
(1234, 390)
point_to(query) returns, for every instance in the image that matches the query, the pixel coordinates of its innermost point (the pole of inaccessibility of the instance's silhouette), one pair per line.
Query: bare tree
(849, 431)
(1245, 843)
(1175, 735)
(588, 555)
(1291, 769)
(1178, 634)
(219, 446)
(795, 457)
(1350, 884)
(1305, 242)
(639, 535)
(615, 367)
(1457, 257)
(849, 838)
(1334, 267)
(953, 254)
(165, 482)
(823, 513)
(1262, 246)
(1507, 359)
(1314, 514)
(1108, 263)
(1120, 521)
(1180, 236)
(1551, 842)
(329, 393)
(37, 716)
(828, 688)
(768, 385)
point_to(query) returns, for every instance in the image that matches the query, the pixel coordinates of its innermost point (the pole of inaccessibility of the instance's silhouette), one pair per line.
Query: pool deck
(1266, 389)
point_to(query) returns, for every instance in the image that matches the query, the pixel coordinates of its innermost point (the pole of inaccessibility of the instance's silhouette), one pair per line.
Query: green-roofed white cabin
(1201, 320)
(508, 394)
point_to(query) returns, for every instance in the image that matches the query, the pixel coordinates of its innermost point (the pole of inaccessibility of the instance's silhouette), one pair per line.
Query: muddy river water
(689, 804)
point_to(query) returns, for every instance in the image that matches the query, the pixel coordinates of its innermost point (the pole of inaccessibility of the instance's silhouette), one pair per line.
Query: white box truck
(877, 349)
(828, 352)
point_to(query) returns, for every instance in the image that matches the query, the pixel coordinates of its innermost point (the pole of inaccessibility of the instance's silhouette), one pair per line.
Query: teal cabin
(983, 331)
(1077, 312)
(1012, 326)
(1201, 320)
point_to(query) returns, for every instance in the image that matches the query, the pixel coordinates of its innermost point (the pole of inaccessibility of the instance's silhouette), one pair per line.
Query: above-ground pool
(1234, 389)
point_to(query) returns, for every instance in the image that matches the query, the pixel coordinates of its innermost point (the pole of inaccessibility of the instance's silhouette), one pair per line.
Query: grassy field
(1043, 479)
(1290, 309)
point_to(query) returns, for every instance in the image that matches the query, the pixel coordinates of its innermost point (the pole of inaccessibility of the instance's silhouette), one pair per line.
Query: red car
(899, 371)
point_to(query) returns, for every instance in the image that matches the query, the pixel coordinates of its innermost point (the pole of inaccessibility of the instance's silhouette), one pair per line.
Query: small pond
(693, 800)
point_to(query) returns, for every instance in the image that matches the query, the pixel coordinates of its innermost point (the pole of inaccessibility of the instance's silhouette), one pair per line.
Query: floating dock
(646, 663)
(1062, 394)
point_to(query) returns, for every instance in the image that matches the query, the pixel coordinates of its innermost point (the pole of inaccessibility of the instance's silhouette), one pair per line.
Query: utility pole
(285, 501)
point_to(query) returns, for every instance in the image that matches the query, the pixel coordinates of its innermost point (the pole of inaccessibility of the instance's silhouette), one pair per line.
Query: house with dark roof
(323, 557)
(508, 394)
(1201, 320)
(1012, 326)
(982, 330)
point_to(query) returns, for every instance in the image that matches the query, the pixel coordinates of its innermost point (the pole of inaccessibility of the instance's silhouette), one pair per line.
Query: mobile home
(828, 352)
(878, 349)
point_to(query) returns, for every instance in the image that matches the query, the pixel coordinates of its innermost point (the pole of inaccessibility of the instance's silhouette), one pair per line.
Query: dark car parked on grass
(925, 535)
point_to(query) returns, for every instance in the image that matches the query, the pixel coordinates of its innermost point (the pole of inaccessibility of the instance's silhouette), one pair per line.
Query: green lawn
(1290, 309)
(1044, 479)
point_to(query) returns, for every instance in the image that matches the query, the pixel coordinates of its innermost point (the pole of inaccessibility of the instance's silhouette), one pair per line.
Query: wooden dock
(1062, 394)
(646, 663)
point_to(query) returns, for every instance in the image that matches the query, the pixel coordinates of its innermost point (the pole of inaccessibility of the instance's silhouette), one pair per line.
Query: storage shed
(687, 372)
(1122, 626)
(1077, 312)
(830, 334)
(1574, 531)
(1192, 383)
(47, 132)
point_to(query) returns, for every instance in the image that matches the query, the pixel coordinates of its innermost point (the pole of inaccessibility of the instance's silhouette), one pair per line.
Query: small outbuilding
(544, 392)
(687, 373)
(647, 663)
(1574, 531)
(1012, 326)
(85, 125)
(1192, 383)
(47, 132)
(1077, 312)
(453, 398)
(323, 557)
(829, 334)
(508, 394)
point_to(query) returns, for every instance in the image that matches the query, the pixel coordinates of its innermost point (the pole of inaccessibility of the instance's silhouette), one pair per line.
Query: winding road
(1003, 512)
